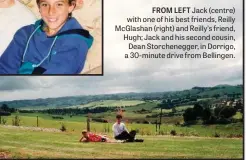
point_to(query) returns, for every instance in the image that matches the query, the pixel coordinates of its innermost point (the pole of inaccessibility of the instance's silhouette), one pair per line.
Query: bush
(177, 124)
(211, 120)
(230, 136)
(4, 113)
(99, 120)
(223, 121)
(63, 128)
(16, 121)
(162, 132)
(57, 117)
(225, 112)
(216, 134)
(182, 134)
(4, 121)
(173, 132)
(146, 122)
(189, 115)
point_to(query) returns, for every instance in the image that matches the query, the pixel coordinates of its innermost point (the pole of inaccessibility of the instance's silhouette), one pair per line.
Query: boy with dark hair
(121, 132)
(56, 44)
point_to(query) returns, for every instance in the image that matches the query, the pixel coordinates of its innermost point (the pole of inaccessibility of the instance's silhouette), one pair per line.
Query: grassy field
(109, 103)
(78, 123)
(183, 108)
(146, 106)
(18, 143)
(238, 115)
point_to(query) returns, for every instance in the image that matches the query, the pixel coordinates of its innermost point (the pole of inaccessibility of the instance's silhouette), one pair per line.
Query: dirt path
(32, 128)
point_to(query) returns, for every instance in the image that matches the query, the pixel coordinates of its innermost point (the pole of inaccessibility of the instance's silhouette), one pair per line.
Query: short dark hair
(118, 116)
(69, 2)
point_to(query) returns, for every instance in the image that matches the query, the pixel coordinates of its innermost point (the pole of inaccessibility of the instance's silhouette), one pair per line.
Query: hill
(64, 102)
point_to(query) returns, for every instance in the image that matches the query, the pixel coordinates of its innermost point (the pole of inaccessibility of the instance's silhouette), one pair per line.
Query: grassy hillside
(63, 102)
(78, 123)
(110, 103)
(17, 143)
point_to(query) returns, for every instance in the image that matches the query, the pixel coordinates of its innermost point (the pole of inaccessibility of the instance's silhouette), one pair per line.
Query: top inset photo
(51, 37)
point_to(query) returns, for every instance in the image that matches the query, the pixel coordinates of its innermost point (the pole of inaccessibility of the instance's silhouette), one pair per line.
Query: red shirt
(94, 137)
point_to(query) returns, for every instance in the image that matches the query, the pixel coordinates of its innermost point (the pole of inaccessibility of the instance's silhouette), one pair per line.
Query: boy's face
(84, 134)
(55, 12)
(119, 120)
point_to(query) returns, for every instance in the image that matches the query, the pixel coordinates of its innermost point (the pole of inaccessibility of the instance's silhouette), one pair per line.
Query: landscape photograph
(139, 108)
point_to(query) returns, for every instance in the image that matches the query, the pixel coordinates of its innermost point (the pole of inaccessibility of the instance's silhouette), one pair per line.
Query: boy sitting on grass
(121, 132)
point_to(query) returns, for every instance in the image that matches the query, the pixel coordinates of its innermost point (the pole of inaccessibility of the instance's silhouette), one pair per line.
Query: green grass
(45, 116)
(182, 108)
(18, 143)
(203, 99)
(238, 115)
(79, 123)
(110, 103)
(146, 106)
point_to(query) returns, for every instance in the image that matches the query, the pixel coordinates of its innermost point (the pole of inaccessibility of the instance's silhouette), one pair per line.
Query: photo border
(80, 74)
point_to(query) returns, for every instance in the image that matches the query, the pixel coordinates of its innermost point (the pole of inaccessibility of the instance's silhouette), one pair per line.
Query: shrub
(182, 134)
(16, 121)
(173, 132)
(216, 134)
(148, 132)
(162, 132)
(4, 121)
(177, 124)
(63, 128)
(142, 132)
(230, 136)
(189, 115)
(146, 122)
(57, 117)
(225, 112)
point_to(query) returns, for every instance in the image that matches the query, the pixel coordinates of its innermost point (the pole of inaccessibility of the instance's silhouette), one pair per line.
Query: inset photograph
(51, 37)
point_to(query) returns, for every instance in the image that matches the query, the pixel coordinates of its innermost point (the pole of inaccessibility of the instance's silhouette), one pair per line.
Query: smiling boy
(56, 44)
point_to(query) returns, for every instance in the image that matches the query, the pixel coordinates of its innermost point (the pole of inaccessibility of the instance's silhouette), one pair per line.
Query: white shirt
(119, 128)
(12, 19)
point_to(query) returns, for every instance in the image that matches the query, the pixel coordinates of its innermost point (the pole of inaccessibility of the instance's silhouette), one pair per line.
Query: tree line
(218, 115)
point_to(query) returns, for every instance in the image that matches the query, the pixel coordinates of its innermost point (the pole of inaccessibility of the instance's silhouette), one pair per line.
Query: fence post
(88, 122)
(156, 126)
(37, 121)
(160, 121)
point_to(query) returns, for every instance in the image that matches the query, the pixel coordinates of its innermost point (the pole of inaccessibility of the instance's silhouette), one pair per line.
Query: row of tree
(75, 111)
(209, 116)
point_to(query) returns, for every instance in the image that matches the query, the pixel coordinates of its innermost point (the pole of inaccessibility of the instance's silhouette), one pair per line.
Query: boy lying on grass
(92, 137)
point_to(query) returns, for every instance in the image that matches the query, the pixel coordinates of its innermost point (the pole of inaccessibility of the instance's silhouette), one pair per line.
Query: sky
(135, 75)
